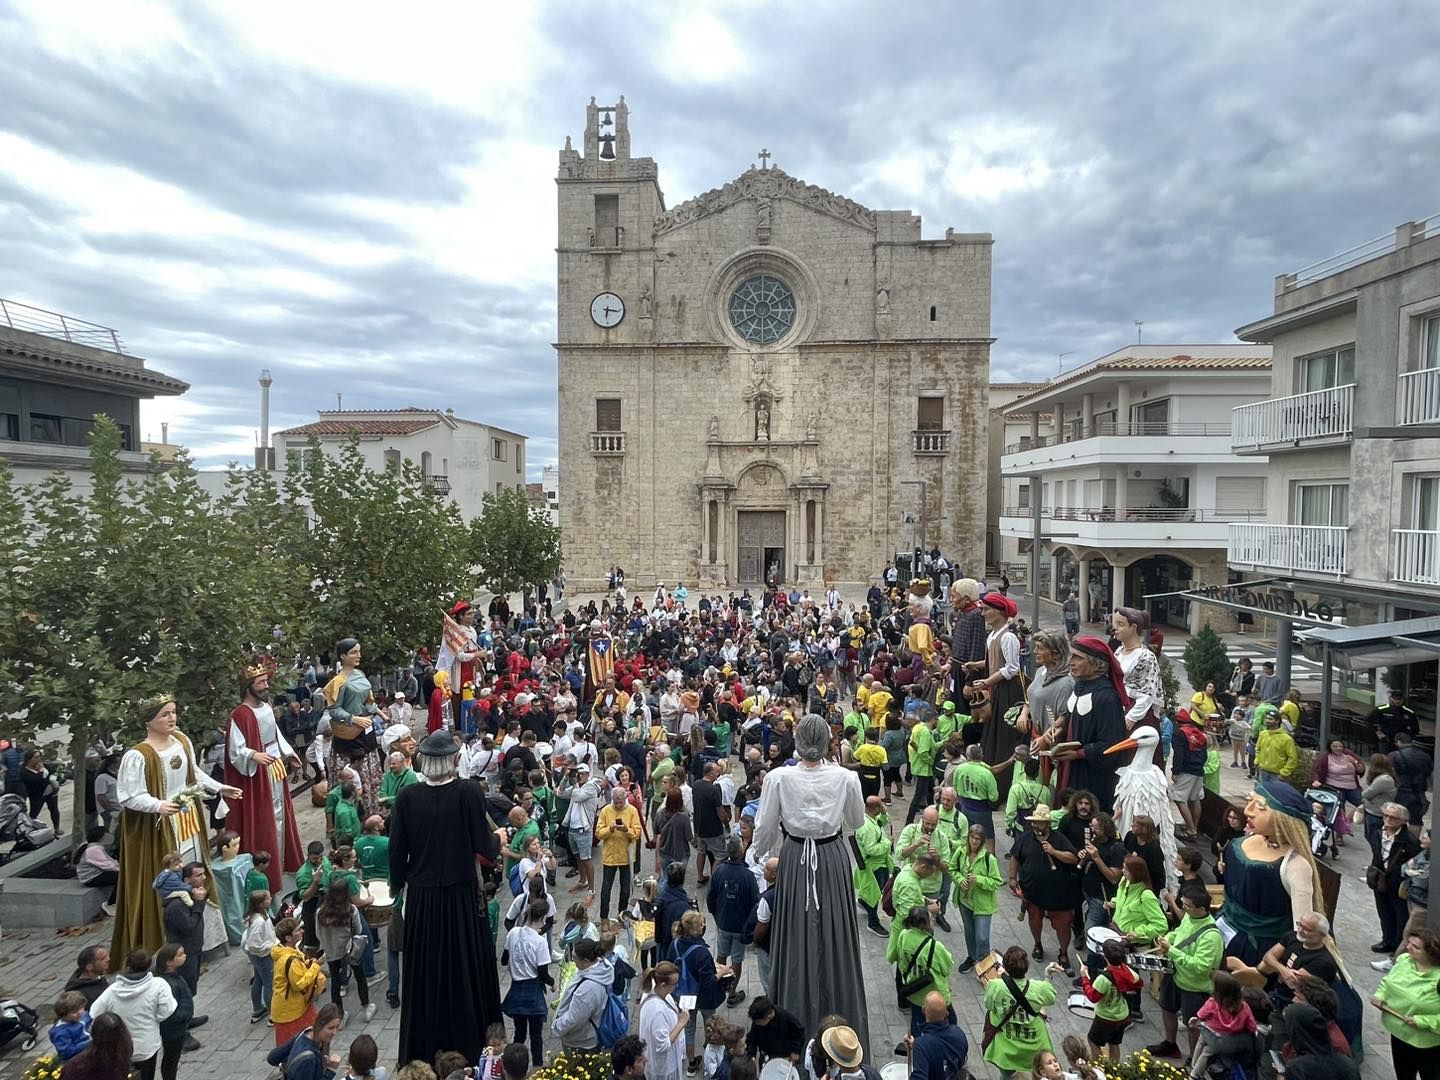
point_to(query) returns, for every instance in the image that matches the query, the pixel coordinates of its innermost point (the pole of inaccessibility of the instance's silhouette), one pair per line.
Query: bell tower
(608, 202)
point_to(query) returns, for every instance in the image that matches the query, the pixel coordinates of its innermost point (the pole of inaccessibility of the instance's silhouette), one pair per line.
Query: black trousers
(607, 878)
(1412, 1063)
(146, 1069)
(1393, 914)
(340, 970)
(535, 1025)
(170, 1057)
(923, 797)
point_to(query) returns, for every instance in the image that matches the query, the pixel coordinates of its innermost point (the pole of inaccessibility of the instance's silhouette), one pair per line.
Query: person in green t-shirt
(345, 813)
(310, 882)
(255, 878)
(522, 831)
(397, 777)
(1108, 991)
(373, 851)
(922, 765)
(1020, 1029)
(979, 792)
(1027, 791)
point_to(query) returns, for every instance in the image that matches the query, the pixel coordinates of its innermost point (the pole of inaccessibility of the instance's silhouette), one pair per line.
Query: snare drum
(988, 968)
(1097, 936)
(382, 904)
(1079, 1005)
(1149, 961)
(543, 751)
(779, 1068)
(894, 1070)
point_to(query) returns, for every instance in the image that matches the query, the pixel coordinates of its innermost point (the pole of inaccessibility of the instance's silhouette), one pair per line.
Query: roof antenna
(338, 400)
(1139, 325)
(1060, 363)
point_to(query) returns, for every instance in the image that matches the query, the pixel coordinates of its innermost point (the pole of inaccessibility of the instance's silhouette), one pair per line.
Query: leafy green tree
(1205, 660)
(513, 543)
(129, 590)
(383, 551)
(1169, 684)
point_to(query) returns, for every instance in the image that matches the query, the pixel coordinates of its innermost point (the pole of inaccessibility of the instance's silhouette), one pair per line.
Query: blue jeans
(977, 934)
(262, 983)
(1373, 824)
(392, 975)
(945, 884)
(367, 962)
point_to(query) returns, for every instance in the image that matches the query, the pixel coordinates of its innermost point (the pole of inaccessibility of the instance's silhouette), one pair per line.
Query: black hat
(437, 744)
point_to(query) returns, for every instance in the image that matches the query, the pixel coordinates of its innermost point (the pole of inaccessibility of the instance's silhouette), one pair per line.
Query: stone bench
(45, 903)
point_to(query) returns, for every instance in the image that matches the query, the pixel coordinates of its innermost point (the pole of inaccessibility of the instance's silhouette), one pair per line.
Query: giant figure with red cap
(1002, 678)
(257, 761)
(460, 652)
(1093, 717)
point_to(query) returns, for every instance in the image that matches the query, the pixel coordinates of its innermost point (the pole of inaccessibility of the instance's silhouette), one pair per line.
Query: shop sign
(1265, 600)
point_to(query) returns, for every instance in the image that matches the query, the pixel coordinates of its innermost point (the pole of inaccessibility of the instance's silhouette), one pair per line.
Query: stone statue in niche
(645, 302)
(619, 236)
(762, 422)
(590, 234)
(762, 220)
(882, 300)
(812, 425)
(713, 429)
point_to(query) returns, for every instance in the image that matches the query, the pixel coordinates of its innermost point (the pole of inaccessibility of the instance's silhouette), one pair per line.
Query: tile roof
(1182, 360)
(362, 427)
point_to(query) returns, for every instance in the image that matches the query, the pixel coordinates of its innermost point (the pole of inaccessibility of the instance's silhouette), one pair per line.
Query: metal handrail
(1107, 428)
(1361, 253)
(35, 320)
(1140, 514)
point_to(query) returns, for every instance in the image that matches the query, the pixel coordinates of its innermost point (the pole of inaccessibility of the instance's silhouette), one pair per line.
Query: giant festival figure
(257, 762)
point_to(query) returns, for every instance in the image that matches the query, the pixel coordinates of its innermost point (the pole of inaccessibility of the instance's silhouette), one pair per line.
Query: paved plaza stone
(35, 964)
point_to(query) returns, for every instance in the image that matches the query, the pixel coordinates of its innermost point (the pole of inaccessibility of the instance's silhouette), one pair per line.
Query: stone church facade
(766, 378)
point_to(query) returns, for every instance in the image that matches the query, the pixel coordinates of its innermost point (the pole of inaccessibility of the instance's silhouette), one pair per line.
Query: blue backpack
(687, 984)
(614, 1022)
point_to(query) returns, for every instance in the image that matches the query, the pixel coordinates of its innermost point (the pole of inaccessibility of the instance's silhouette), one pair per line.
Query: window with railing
(1326, 370)
(1420, 388)
(930, 413)
(607, 414)
(1322, 504)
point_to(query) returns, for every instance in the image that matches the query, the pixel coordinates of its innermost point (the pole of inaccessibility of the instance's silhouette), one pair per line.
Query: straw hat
(842, 1046)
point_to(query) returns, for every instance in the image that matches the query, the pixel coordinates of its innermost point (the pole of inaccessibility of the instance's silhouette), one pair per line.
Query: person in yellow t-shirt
(870, 759)
(878, 704)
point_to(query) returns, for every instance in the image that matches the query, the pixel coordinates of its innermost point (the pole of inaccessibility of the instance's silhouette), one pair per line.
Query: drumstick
(1387, 1009)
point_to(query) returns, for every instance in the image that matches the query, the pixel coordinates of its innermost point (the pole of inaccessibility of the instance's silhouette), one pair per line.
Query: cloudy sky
(360, 196)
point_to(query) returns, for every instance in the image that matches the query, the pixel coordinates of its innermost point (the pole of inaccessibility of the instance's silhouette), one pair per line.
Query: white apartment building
(550, 484)
(465, 459)
(1350, 425)
(1137, 482)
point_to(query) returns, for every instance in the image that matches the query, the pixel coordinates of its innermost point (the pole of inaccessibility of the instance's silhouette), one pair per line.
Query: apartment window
(499, 489)
(425, 463)
(1322, 504)
(1430, 343)
(1423, 509)
(45, 428)
(392, 459)
(1151, 418)
(1022, 496)
(497, 449)
(607, 414)
(930, 414)
(1327, 370)
(519, 453)
(10, 426)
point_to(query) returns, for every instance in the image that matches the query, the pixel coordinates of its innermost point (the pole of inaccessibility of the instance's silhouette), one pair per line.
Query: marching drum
(779, 1068)
(1079, 1005)
(895, 1070)
(1149, 961)
(543, 751)
(1097, 936)
(382, 904)
(989, 968)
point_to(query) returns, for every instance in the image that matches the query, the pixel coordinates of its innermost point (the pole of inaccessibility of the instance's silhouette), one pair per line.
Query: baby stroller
(19, 829)
(1322, 823)
(17, 1019)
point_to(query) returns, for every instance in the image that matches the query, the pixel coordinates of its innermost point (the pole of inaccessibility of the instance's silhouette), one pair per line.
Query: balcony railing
(1416, 556)
(1320, 414)
(1318, 549)
(931, 442)
(1420, 396)
(438, 483)
(1140, 514)
(20, 316)
(607, 443)
(1159, 428)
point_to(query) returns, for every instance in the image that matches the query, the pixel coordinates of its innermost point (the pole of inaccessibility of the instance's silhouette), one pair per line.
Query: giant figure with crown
(257, 761)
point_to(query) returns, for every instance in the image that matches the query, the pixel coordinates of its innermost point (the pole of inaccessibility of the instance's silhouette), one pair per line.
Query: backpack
(516, 882)
(614, 1022)
(688, 983)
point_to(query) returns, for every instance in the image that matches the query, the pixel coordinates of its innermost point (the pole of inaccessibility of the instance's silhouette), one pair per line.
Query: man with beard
(257, 761)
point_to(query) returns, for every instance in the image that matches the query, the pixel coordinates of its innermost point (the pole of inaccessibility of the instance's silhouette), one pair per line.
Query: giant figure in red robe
(257, 761)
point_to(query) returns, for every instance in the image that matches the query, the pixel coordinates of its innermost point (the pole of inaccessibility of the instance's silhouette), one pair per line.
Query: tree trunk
(79, 743)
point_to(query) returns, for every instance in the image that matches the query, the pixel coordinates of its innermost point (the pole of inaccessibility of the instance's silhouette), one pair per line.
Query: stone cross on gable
(764, 158)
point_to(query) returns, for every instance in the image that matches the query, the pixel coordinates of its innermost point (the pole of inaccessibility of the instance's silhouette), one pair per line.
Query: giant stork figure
(1142, 789)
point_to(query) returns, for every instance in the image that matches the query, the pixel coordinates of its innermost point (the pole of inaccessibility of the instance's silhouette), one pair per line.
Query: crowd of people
(623, 804)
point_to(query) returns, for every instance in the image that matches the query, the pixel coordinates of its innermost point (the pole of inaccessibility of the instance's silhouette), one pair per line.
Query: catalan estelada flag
(602, 660)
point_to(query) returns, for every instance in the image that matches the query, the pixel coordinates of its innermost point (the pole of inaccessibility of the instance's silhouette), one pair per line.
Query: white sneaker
(1382, 965)
(369, 1012)
(108, 908)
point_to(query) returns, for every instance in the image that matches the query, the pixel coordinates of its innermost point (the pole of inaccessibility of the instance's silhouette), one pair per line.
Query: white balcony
(1188, 528)
(931, 442)
(1319, 416)
(607, 443)
(1110, 443)
(1415, 556)
(1420, 396)
(1315, 549)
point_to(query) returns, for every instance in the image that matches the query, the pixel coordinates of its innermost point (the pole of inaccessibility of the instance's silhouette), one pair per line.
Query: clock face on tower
(607, 310)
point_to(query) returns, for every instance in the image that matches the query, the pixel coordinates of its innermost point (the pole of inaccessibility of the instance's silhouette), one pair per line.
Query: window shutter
(607, 414)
